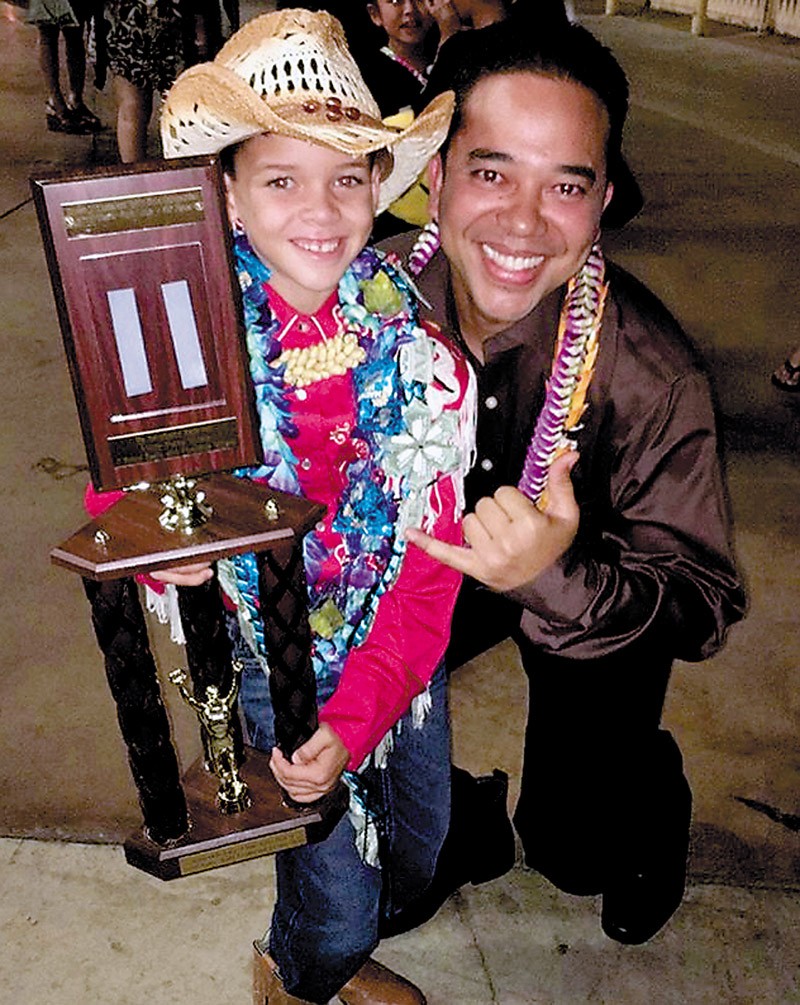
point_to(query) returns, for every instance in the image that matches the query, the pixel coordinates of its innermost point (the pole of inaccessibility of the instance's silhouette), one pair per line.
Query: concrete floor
(714, 137)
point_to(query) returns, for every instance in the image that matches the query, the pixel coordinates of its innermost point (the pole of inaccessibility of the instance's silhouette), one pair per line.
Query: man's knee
(580, 815)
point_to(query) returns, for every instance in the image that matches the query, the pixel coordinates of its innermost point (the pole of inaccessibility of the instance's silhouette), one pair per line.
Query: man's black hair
(569, 53)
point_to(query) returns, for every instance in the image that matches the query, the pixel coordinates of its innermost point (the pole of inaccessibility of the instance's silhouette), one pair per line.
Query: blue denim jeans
(330, 904)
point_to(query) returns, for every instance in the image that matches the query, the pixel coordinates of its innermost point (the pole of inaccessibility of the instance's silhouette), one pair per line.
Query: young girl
(366, 410)
(398, 72)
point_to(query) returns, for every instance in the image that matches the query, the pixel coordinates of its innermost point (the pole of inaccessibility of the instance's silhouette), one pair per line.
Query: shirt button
(319, 527)
(305, 464)
(302, 326)
(486, 464)
(491, 402)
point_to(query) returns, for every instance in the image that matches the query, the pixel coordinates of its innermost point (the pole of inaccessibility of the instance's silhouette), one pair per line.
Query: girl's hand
(315, 767)
(185, 575)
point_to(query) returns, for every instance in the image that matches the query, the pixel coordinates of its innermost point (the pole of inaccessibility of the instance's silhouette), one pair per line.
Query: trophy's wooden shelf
(136, 542)
(215, 840)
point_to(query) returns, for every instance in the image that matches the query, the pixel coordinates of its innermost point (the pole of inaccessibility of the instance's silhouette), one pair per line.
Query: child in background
(367, 410)
(398, 72)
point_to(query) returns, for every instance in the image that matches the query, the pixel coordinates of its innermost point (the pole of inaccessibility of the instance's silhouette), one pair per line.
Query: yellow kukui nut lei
(332, 357)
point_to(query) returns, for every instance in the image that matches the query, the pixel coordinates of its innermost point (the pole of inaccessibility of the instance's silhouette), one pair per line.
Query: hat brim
(211, 107)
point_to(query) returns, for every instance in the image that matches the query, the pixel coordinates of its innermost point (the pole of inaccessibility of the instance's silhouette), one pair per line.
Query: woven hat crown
(306, 56)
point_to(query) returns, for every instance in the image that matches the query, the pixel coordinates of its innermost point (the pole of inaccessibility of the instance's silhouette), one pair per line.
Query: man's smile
(510, 262)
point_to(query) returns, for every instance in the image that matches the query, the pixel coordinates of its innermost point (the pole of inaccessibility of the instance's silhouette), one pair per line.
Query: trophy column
(293, 688)
(121, 631)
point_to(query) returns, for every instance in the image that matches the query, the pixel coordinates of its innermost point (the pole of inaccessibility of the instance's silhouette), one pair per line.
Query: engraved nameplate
(242, 851)
(133, 212)
(175, 441)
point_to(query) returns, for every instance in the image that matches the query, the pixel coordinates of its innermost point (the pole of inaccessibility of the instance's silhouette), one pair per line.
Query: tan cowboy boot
(268, 988)
(375, 984)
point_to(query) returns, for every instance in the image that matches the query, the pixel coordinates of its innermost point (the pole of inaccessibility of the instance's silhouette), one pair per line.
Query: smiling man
(625, 564)
(523, 199)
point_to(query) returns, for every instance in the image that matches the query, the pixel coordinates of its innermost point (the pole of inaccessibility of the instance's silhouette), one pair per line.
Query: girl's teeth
(319, 246)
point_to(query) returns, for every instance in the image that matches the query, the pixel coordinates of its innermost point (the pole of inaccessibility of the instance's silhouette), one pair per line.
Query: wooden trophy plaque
(150, 314)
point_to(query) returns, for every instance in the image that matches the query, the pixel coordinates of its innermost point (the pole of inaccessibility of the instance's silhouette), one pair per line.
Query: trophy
(149, 310)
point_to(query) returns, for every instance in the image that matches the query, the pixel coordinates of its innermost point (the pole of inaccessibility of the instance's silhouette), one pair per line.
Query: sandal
(787, 377)
(62, 122)
(88, 120)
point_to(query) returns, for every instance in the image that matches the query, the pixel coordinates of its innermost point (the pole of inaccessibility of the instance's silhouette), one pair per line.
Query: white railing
(787, 17)
(782, 16)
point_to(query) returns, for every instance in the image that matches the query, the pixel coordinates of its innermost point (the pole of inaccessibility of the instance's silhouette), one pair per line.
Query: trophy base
(128, 538)
(216, 839)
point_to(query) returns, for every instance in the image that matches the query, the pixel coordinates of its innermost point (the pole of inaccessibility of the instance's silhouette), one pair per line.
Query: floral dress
(143, 41)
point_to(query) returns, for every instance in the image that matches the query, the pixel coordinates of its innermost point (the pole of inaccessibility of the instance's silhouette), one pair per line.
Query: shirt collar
(286, 314)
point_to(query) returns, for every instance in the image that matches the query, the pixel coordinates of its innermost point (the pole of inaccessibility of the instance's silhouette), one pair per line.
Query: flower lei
(572, 368)
(388, 486)
(570, 376)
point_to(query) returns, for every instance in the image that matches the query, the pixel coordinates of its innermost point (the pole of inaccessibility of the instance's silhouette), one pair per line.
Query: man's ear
(609, 195)
(435, 178)
(375, 14)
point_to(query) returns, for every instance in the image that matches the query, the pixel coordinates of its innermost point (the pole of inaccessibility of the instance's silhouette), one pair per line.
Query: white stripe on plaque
(130, 342)
(183, 329)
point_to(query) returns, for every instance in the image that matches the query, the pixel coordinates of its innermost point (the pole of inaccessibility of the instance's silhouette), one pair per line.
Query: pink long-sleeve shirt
(411, 626)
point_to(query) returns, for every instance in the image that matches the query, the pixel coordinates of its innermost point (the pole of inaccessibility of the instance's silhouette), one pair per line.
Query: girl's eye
(279, 183)
(351, 181)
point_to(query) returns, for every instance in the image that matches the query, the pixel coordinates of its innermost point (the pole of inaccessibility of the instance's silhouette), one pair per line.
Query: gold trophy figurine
(215, 713)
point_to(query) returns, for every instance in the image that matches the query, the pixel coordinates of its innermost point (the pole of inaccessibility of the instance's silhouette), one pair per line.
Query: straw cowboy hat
(290, 73)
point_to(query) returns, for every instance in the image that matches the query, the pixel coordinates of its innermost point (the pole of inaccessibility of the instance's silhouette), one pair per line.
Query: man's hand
(185, 575)
(315, 767)
(510, 540)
